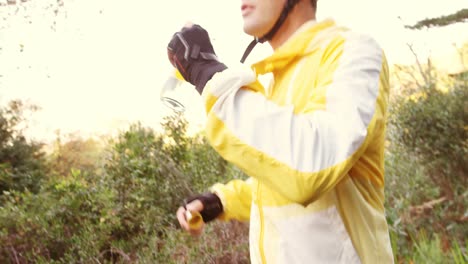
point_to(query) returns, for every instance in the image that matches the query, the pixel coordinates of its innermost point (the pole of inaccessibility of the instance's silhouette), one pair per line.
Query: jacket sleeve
(299, 155)
(236, 197)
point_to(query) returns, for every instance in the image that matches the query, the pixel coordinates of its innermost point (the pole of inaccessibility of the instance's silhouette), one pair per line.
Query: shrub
(426, 164)
(433, 128)
(76, 153)
(70, 220)
(22, 162)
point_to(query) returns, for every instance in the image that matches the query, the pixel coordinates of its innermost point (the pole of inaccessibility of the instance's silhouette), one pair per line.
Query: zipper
(261, 238)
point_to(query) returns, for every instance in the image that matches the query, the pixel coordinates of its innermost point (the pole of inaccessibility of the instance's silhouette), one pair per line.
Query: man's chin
(252, 31)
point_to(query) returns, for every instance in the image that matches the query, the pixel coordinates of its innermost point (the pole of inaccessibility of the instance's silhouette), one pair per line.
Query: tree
(47, 11)
(460, 16)
(75, 153)
(22, 162)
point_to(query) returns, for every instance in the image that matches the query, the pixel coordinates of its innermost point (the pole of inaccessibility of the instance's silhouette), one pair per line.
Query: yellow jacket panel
(312, 144)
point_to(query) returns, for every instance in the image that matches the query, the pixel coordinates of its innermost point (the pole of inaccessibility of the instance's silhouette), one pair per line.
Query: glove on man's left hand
(191, 52)
(212, 206)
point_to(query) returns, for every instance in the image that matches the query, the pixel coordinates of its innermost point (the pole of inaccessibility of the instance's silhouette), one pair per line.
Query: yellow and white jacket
(312, 144)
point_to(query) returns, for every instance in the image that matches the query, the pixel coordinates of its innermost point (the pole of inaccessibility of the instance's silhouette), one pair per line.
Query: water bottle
(167, 95)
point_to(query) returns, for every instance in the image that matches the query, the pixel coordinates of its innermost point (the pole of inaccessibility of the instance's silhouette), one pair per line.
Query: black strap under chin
(249, 49)
(284, 14)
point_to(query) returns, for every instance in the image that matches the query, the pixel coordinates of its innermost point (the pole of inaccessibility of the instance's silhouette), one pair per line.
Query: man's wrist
(212, 206)
(205, 72)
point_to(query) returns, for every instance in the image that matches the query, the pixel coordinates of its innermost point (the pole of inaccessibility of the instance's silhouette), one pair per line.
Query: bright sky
(104, 65)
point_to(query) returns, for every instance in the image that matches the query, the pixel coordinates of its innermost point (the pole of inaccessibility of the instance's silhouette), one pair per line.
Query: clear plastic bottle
(168, 92)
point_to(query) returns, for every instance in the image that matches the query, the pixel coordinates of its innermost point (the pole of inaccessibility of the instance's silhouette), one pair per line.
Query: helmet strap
(269, 35)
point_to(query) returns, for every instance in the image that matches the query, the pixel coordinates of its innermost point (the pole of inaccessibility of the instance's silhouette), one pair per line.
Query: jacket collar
(295, 46)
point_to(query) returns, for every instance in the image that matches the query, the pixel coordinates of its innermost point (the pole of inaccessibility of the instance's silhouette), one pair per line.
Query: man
(312, 144)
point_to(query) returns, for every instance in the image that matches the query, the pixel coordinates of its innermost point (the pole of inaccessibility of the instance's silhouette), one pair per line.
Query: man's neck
(301, 13)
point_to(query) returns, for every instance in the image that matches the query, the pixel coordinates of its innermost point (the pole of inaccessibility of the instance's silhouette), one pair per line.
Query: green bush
(124, 212)
(151, 175)
(145, 181)
(432, 127)
(69, 220)
(22, 162)
(76, 153)
(426, 166)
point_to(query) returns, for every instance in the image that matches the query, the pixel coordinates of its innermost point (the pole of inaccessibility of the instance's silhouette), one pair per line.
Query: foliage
(75, 153)
(145, 181)
(433, 128)
(45, 11)
(22, 163)
(457, 17)
(124, 211)
(70, 220)
(220, 243)
(426, 164)
(431, 251)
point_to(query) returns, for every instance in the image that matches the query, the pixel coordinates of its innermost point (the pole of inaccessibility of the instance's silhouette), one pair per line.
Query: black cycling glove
(212, 206)
(191, 52)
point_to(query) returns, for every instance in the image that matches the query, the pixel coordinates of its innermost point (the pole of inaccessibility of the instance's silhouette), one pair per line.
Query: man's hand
(193, 206)
(191, 52)
(208, 205)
